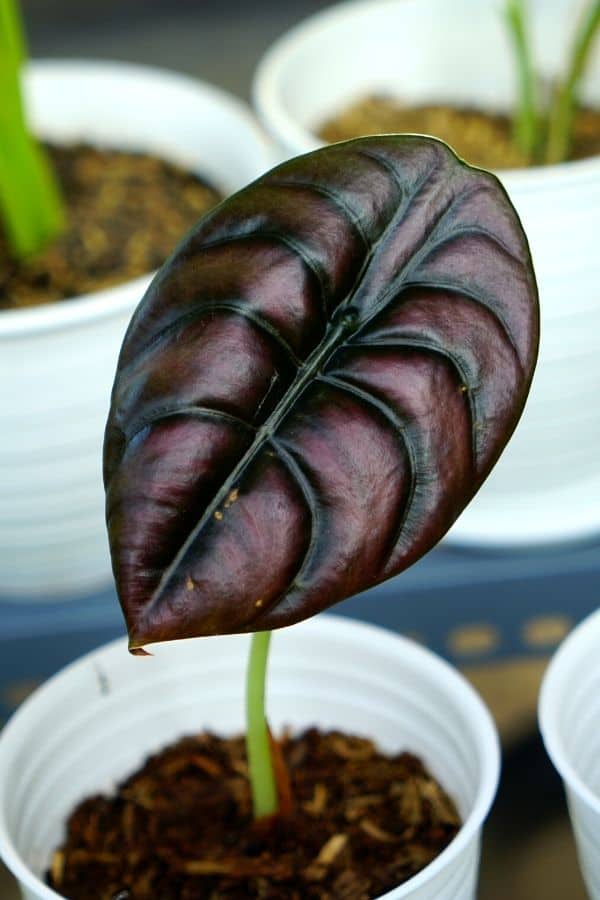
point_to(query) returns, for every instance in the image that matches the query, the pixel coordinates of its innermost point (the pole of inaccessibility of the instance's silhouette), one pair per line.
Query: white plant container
(57, 361)
(546, 486)
(101, 716)
(569, 716)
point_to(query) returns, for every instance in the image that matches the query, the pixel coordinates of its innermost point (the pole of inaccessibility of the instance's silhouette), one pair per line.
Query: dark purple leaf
(314, 387)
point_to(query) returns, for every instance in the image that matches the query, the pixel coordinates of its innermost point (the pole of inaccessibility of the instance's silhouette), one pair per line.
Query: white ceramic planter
(57, 361)
(546, 487)
(104, 714)
(569, 716)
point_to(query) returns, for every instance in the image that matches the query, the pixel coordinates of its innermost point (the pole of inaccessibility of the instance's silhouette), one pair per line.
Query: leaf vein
(205, 308)
(400, 427)
(335, 198)
(486, 302)
(452, 358)
(478, 231)
(313, 265)
(308, 494)
(188, 411)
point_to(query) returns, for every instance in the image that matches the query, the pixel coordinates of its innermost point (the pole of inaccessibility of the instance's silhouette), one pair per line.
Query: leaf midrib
(306, 374)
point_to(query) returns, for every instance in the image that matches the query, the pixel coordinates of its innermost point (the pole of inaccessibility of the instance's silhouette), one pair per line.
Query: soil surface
(481, 138)
(181, 827)
(125, 214)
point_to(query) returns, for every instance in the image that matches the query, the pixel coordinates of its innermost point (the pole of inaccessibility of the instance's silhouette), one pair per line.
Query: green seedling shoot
(30, 206)
(546, 134)
(562, 113)
(526, 122)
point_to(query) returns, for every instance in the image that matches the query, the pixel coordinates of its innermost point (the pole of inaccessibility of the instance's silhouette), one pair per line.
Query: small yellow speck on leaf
(233, 495)
(189, 583)
(218, 515)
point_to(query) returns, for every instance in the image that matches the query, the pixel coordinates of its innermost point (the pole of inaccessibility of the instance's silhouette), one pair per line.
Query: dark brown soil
(181, 827)
(481, 138)
(125, 211)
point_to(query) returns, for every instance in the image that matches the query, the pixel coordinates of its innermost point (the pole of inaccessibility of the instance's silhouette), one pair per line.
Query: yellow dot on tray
(473, 640)
(546, 631)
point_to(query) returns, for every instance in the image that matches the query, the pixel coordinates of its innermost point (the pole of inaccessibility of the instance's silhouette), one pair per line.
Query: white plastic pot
(57, 361)
(546, 487)
(569, 716)
(98, 719)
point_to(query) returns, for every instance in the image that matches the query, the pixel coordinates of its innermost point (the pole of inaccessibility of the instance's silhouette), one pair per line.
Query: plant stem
(30, 203)
(526, 120)
(562, 113)
(260, 760)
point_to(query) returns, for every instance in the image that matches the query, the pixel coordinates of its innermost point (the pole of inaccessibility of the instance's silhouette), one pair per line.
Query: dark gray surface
(450, 588)
(528, 852)
(219, 41)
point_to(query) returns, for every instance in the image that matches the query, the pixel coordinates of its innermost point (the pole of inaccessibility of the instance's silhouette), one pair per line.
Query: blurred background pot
(546, 487)
(57, 361)
(569, 716)
(104, 714)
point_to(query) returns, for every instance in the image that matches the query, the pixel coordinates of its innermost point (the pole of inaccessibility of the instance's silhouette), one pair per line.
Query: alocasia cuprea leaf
(314, 386)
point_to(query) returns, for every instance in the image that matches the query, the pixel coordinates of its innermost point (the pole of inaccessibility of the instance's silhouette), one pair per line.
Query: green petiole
(260, 758)
(30, 204)
(562, 113)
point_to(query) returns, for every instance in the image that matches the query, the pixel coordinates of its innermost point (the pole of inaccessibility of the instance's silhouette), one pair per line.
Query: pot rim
(271, 109)
(324, 625)
(111, 301)
(583, 637)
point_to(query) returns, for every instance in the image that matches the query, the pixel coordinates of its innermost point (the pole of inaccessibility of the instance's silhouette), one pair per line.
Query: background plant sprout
(560, 125)
(545, 135)
(526, 123)
(30, 202)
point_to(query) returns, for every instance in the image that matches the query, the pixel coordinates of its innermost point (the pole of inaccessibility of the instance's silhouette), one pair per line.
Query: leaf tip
(138, 651)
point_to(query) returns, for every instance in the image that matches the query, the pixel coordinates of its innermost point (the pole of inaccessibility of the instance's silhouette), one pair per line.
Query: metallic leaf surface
(314, 387)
